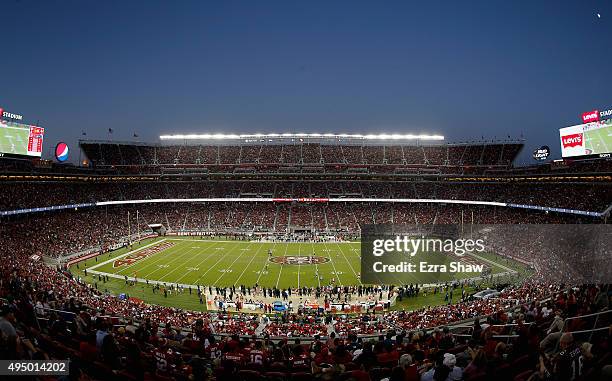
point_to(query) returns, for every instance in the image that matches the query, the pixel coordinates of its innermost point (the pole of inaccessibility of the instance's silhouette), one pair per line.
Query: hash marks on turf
(210, 250)
(169, 257)
(230, 267)
(221, 258)
(249, 264)
(174, 265)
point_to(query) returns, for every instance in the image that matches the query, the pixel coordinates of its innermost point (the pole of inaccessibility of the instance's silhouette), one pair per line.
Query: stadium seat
(278, 367)
(519, 365)
(253, 366)
(276, 376)
(482, 376)
(503, 373)
(301, 376)
(523, 376)
(249, 375)
(344, 376)
(377, 374)
(457, 349)
(351, 366)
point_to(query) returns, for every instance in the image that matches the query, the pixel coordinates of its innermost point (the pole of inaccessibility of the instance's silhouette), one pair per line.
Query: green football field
(14, 140)
(227, 262)
(599, 140)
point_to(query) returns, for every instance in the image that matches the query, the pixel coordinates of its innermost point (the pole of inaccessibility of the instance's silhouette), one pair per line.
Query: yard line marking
(148, 261)
(264, 265)
(125, 255)
(216, 263)
(508, 269)
(347, 261)
(316, 265)
(249, 265)
(603, 140)
(206, 257)
(175, 260)
(299, 262)
(149, 264)
(281, 266)
(336, 275)
(232, 264)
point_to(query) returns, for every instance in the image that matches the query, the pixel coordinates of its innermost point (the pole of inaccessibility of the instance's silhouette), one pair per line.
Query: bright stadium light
(302, 135)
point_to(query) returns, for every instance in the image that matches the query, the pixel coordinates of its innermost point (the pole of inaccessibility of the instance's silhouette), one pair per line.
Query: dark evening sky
(461, 69)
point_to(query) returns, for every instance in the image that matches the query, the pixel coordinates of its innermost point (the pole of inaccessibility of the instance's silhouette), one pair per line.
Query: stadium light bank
(301, 135)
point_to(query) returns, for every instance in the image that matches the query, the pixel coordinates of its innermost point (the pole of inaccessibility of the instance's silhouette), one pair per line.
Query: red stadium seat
(377, 374)
(523, 376)
(301, 376)
(249, 375)
(482, 376)
(276, 376)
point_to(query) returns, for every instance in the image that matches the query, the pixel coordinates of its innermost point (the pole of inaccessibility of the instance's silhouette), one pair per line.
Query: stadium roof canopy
(298, 136)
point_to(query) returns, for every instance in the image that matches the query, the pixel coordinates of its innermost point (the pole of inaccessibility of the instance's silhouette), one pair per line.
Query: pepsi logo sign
(61, 152)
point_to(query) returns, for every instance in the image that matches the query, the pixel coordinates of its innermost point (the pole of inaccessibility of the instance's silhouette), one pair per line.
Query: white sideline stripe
(508, 269)
(123, 255)
(205, 240)
(142, 280)
(257, 199)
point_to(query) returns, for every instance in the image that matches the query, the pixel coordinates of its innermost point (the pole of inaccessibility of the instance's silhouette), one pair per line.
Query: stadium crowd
(485, 153)
(533, 330)
(542, 329)
(588, 197)
(71, 231)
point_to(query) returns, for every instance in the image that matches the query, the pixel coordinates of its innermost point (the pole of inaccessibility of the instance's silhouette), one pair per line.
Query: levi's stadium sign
(590, 116)
(596, 115)
(10, 115)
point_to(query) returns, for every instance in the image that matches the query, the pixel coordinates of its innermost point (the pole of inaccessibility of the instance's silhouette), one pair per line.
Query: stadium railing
(602, 317)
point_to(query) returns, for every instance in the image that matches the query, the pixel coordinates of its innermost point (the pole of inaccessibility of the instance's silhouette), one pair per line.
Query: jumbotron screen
(21, 139)
(587, 139)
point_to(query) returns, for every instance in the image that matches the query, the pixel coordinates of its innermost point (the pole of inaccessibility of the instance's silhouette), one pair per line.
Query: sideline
(123, 255)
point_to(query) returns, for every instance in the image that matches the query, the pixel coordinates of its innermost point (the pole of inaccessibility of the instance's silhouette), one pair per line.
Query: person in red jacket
(299, 359)
(258, 355)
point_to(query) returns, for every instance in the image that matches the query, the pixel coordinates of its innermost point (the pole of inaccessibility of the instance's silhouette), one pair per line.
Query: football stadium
(150, 246)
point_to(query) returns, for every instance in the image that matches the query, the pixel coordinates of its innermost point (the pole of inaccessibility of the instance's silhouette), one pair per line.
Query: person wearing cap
(445, 369)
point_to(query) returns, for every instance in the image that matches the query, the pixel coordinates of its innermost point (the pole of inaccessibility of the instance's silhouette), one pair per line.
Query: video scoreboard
(592, 138)
(21, 139)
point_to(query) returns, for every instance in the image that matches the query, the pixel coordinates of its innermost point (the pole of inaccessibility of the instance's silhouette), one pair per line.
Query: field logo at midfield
(134, 257)
(298, 260)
